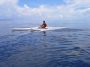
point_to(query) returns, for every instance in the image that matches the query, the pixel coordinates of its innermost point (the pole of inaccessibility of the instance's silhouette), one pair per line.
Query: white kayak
(37, 29)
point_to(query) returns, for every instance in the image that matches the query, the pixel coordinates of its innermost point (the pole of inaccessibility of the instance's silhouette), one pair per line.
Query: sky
(54, 10)
(37, 3)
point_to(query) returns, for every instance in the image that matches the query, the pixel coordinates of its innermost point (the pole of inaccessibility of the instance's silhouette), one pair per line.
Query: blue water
(68, 47)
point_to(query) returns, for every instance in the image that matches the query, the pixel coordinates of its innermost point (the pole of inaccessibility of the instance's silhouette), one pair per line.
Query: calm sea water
(68, 47)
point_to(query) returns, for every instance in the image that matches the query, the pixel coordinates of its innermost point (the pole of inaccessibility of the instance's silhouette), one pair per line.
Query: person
(44, 25)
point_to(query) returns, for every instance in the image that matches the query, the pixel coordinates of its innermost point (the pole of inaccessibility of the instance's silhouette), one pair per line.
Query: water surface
(59, 48)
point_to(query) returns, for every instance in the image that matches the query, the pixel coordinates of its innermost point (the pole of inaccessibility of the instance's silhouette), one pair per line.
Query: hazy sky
(46, 9)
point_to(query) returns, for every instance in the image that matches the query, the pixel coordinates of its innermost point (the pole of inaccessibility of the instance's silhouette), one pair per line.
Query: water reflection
(44, 33)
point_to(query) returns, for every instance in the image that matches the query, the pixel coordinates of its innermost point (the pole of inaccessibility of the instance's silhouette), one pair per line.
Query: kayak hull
(37, 29)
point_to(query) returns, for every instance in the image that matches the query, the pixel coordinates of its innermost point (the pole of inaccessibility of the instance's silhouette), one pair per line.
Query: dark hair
(44, 21)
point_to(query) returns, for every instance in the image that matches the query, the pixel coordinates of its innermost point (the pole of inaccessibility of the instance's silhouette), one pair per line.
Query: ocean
(69, 47)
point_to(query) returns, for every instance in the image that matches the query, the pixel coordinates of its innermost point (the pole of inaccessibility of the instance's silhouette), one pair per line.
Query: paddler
(44, 25)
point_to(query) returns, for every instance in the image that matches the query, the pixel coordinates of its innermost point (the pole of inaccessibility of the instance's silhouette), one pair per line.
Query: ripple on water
(61, 48)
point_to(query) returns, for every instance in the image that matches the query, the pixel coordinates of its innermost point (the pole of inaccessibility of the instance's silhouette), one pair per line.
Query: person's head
(43, 21)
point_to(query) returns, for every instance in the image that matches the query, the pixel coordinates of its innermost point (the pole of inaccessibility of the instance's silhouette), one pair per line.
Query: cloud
(72, 9)
(11, 2)
(2, 1)
(8, 8)
(75, 8)
(41, 11)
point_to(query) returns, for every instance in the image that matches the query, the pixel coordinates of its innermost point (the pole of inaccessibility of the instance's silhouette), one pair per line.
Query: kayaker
(44, 25)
